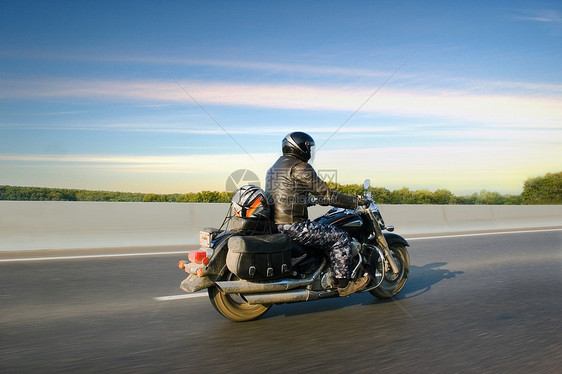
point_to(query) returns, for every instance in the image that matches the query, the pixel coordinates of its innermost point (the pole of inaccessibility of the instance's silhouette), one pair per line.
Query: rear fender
(218, 261)
(215, 269)
(193, 283)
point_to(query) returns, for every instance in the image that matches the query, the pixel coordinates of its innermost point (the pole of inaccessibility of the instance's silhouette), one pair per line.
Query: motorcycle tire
(393, 283)
(233, 306)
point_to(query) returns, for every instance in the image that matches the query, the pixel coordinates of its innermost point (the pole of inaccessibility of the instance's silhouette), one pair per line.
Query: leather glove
(363, 201)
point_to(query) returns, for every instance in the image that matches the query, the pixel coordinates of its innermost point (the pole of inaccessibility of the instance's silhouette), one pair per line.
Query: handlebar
(311, 201)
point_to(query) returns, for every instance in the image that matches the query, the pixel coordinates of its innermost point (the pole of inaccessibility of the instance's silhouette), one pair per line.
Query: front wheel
(393, 283)
(233, 306)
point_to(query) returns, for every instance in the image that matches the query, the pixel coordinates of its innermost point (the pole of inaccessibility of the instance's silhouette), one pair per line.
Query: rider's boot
(354, 286)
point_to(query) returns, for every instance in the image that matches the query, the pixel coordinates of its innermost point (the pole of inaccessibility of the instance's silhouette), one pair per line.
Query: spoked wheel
(233, 306)
(393, 283)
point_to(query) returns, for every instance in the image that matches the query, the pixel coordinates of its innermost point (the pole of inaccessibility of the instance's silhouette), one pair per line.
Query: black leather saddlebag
(259, 257)
(253, 225)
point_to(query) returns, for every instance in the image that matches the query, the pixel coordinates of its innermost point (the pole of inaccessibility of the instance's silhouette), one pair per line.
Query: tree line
(540, 190)
(63, 194)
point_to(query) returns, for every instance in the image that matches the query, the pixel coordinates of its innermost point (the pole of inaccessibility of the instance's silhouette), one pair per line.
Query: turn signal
(181, 264)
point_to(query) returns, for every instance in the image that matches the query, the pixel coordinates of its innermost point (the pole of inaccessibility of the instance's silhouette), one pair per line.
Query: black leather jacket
(288, 183)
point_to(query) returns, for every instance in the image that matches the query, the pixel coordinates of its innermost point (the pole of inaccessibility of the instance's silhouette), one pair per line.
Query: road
(472, 304)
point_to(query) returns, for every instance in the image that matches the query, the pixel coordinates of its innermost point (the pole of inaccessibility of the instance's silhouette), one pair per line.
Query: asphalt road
(472, 304)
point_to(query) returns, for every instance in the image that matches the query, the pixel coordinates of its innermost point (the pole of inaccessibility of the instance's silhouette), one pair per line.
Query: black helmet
(299, 144)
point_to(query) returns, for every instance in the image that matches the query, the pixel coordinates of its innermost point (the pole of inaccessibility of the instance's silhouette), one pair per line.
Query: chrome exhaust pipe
(246, 287)
(281, 297)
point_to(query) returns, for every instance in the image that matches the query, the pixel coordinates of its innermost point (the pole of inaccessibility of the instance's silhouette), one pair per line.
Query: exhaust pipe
(245, 287)
(281, 297)
(288, 297)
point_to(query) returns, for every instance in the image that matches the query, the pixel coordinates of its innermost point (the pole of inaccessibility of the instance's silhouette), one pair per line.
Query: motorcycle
(246, 272)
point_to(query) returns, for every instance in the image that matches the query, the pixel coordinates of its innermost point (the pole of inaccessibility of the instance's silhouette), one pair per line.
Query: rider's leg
(315, 234)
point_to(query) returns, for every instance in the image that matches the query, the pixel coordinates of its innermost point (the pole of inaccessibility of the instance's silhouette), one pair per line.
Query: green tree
(381, 195)
(151, 198)
(401, 196)
(422, 197)
(443, 197)
(467, 200)
(543, 190)
(351, 189)
(208, 197)
(490, 198)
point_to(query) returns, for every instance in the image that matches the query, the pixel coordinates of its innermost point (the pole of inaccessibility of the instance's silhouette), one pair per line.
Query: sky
(175, 96)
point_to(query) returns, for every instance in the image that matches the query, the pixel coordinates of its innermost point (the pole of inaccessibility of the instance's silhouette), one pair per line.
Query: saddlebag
(253, 225)
(259, 257)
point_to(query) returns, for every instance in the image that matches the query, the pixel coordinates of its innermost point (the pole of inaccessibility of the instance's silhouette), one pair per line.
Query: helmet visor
(312, 154)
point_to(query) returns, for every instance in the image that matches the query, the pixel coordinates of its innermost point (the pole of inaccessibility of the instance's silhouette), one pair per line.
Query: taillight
(199, 257)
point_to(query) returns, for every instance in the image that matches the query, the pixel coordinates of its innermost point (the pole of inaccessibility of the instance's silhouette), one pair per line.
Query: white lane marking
(482, 234)
(181, 297)
(195, 295)
(92, 256)
(57, 258)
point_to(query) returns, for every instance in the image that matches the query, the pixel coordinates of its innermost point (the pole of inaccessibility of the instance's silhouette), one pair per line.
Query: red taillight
(198, 257)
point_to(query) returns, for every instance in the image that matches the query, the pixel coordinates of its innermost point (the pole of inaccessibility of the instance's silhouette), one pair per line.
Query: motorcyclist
(289, 182)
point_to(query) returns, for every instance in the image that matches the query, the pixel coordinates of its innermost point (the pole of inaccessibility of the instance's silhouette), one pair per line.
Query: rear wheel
(393, 283)
(233, 306)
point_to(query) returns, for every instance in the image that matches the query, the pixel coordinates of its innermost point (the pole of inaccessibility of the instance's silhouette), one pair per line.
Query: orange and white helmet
(250, 202)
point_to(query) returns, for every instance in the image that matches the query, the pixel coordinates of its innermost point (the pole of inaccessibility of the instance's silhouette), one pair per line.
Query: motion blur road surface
(472, 304)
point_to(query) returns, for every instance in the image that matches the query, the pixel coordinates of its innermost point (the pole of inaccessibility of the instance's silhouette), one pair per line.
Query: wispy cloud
(550, 19)
(310, 70)
(185, 165)
(468, 168)
(512, 110)
(540, 15)
(293, 70)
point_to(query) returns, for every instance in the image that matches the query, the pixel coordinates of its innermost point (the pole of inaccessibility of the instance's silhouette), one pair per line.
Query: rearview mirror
(366, 184)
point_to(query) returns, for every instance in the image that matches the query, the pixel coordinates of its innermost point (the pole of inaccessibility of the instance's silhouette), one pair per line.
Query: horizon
(177, 96)
(226, 190)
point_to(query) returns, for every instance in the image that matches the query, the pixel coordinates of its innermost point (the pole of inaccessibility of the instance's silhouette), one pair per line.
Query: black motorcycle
(250, 267)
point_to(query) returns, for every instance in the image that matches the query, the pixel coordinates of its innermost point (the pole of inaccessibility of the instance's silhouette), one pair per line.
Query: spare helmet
(250, 202)
(299, 144)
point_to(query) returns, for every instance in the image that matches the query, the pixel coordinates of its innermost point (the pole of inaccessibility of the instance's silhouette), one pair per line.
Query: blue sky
(174, 96)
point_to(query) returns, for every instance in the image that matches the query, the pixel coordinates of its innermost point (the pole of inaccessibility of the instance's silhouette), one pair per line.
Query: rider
(289, 182)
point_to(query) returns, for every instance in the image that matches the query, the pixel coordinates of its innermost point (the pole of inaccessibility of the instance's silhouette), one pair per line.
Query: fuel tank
(345, 219)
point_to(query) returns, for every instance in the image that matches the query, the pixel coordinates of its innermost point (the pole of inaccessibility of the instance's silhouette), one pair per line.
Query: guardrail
(31, 225)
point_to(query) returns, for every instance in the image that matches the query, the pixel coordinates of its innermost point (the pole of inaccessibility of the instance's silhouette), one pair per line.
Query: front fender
(394, 238)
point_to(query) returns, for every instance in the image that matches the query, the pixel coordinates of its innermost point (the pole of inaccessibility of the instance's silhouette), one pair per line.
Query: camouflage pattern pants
(318, 235)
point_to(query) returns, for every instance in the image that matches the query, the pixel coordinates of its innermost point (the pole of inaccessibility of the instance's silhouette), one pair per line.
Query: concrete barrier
(429, 219)
(33, 225)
